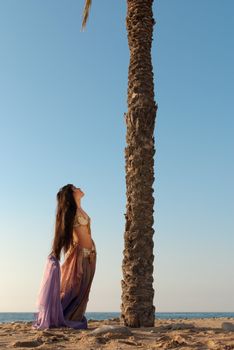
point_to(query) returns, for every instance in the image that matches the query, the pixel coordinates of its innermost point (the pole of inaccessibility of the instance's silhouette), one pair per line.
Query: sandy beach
(212, 333)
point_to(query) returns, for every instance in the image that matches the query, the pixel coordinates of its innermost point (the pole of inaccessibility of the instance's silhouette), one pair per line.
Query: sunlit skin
(82, 233)
(77, 194)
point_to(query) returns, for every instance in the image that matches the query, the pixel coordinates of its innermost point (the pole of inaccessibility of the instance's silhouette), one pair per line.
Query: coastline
(200, 333)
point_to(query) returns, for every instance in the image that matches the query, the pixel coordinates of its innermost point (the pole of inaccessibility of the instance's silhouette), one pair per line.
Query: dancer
(64, 290)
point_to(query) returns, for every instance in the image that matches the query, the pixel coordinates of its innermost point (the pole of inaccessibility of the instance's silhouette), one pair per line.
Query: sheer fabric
(64, 290)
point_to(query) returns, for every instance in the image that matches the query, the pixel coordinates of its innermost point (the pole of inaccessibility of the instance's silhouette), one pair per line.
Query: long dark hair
(65, 215)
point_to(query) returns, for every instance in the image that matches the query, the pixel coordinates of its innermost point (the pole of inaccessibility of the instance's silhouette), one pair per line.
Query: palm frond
(86, 11)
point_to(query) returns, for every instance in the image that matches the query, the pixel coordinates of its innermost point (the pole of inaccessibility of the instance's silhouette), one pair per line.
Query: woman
(64, 290)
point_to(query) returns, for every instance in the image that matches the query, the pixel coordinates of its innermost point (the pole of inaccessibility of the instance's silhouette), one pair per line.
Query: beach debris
(54, 336)
(177, 341)
(130, 342)
(228, 347)
(93, 320)
(228, 326)
(28, 343)
(111, 331)
(179, 326)
(115, 319)
(45, 338)
(211, 344)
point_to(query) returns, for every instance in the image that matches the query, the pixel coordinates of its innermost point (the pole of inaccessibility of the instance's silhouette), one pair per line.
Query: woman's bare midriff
(81, 234)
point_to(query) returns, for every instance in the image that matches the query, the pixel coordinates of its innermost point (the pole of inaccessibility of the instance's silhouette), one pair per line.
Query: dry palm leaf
(86, 12)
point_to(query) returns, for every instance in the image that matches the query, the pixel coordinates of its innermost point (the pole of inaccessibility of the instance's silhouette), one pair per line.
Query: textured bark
(137, 307)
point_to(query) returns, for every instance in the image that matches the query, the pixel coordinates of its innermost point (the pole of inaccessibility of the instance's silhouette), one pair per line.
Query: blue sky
(63, 94)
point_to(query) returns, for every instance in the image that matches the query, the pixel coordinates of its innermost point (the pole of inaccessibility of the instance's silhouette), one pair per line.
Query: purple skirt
(64, 290)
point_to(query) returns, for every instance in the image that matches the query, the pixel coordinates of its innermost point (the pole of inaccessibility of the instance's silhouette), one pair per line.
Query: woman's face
(77, 192)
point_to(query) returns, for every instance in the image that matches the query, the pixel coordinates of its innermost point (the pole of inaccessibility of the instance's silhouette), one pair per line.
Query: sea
(29, 316)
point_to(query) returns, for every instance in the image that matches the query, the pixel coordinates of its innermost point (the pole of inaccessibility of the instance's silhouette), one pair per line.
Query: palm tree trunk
(137, 307)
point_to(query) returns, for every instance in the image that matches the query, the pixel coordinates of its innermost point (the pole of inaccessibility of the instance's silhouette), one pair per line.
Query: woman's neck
(78, 204)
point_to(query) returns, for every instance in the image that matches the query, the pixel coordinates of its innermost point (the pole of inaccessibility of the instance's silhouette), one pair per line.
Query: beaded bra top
(80, 220)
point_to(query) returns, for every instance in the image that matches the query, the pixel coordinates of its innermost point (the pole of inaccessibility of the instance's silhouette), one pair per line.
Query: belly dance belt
(87, 251)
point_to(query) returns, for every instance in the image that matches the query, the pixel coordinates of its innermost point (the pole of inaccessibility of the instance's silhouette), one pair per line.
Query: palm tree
(137, 307)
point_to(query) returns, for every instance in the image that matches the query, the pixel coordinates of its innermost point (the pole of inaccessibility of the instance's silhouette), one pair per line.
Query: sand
(212, 333)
